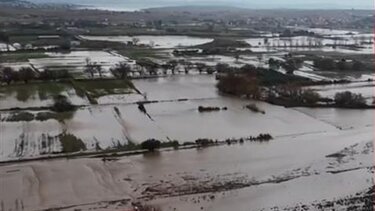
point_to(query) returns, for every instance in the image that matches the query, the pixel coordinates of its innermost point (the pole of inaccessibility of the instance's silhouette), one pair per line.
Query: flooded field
(217, 178)
(36, 95)
(199, 107)
(75, 61)
(311, 150)
(154, 41)
(180, 97)
(366, 89)
(262, 44)
(178, 100)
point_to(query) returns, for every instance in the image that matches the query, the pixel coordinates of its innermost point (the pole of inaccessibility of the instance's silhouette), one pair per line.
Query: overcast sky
(269, 4)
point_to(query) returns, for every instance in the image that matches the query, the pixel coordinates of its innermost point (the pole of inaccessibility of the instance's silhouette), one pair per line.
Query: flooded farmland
(188, 108)
(77, 60)
(261, 44)
(269, 168)
(92, 124)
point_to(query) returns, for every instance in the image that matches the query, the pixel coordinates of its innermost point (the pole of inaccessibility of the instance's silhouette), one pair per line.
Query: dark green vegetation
(299, 97)
(329, 64)
(40, 116)
(286, 90)
(239, 86)
(224, 43)
(98, 88)
(21, 56)
(62, 104)
(248, 80)
(71, 143)
(268, 77)
(75, 147)
(20, 116)
(48, 90)
(121, 70)
(25, 92)
(290, 64)
(220, 46)
(151, 144)
(348, 99)
(27, 73)
(60, 116)
(325, 62)
(204, 142)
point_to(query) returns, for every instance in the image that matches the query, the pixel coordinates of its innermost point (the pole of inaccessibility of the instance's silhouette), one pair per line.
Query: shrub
(66, 45)
(309, 96)
(349, 99)
(26, 73)
(203, 142)
(21, 116)
(239, 85)
(222, 67)
(324, 63)
(151, 144)
(121, 70)
(44, 116)
(208, 109)
(62, 104)
(71, 143)
(54, 74)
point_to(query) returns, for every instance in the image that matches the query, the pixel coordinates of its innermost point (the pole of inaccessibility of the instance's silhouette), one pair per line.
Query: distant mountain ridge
(17, 3)
(30, 4)
(249, 4)
(132, 5)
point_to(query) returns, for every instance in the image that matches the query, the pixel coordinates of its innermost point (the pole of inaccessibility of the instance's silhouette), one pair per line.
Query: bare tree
(222, 67)
(187, 66)
(90, 69)
(172, 65)
(149, 65)
(99, 69)
(201, 67)
(121, 70)
(135, 41)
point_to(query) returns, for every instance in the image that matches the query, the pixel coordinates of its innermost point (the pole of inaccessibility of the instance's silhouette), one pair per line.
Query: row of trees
(122, 69)
(295, 94)
(239, 85)
(26, 74)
